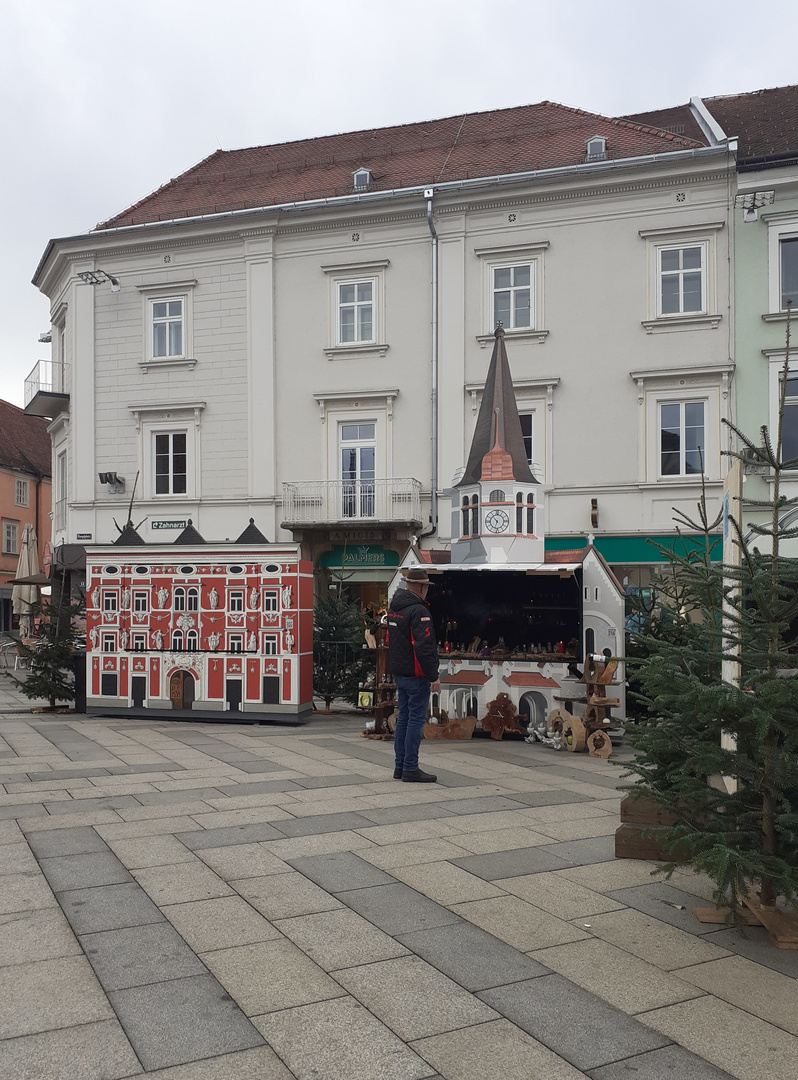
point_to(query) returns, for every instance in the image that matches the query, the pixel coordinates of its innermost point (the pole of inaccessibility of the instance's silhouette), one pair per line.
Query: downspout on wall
(428, 193)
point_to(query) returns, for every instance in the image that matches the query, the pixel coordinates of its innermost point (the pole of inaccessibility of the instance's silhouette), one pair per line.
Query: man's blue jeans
(413, 697)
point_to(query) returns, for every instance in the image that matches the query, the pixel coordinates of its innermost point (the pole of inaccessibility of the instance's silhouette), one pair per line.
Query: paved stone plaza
(235, 902)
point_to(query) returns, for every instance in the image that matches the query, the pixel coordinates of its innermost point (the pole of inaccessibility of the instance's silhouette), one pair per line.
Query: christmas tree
(50, 674)
(339, 660)
(718, 746)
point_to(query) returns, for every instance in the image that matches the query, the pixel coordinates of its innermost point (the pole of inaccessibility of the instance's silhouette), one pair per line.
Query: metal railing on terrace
(50, 378)
(324, 502)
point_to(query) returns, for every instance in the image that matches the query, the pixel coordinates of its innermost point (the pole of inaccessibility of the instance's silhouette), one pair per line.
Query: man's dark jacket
(412, 648)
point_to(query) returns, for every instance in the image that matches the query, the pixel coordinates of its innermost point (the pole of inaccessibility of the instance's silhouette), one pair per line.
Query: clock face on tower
(496, 521)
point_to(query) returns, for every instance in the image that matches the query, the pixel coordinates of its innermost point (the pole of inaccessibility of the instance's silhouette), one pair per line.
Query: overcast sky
(104, 102)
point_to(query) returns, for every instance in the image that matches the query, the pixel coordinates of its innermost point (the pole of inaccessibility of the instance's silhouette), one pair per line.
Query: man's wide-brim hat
(416, 576)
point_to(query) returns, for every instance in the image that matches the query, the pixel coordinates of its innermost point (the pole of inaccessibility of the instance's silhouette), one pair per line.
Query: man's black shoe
(397, 774)
(418, 777)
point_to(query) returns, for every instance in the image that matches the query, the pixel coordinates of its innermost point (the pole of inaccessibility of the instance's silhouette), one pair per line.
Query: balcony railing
(47, 389)
(327, 502)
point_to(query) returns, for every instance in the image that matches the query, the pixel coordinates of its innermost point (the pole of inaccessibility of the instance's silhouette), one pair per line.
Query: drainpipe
(428, 194)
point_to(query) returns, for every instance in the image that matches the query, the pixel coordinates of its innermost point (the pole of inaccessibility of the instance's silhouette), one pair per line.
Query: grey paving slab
(271, 975)
(397, 909)
(221, 923)
(340, 1040)
(151, 851)
(284, 896)
(486, 805)
(314, 824)
(84, 871)
(669, 1063)
(548, 798)
(17, 859)
(242, 861)
(164, 798)
(50, 994)
(169, 1023)
(496, 1049)
(78, 841)
(340, 939)
(29, 936)
(331, 781)
(66, 774)
(22, 810)
(412, 998)
(340, 871)
(87, 806)
(513, 863)
(108, 907)
(753, 942)
(181, 882)
(24, 892)
(137, 955)
(259, 765)
(394, 815)
(612, 778)
(595, 849)
(574, 1023)
(666, 903)
(260, 787)
(101, 1048)
(163, 763)
(472, 957)
(258, 1063)
(232, 834)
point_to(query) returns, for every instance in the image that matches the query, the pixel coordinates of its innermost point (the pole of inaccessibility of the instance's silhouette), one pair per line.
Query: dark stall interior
(511, 613)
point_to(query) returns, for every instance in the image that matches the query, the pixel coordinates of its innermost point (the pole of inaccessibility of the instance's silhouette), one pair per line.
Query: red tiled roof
(678, 120)
(467, 678)
(499, 142)
(434, 556)
(529, 678)
(576, 555)
(24, 442)
(764, 121)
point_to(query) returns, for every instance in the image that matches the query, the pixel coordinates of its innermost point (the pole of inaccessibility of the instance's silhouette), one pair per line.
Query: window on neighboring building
(789, 432)
(11, 538)
(192, 600)
(236, 643)
(177, 641)
(681, 279)
(270, 600)
(110, 601)
(180, 599)
(512, 296)
(235, 601)
(192, 641)
(167, 328)
(140, 601)
(170, 463)
(682, 439)
(139, 642)
(109, 643)
(356, 322)
(269, 645)
(21, 493)
(788, 260)
(526, 431)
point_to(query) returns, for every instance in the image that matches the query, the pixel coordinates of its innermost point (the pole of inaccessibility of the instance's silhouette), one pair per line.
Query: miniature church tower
(497, 504)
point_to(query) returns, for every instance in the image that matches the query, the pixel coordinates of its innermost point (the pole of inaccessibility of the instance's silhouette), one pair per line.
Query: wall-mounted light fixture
(98, 277)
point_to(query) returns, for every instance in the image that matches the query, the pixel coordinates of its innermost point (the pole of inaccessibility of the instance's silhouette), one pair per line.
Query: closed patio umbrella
(24, 597)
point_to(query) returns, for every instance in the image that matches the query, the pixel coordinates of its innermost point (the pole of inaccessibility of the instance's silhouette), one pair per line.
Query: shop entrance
(181, 690)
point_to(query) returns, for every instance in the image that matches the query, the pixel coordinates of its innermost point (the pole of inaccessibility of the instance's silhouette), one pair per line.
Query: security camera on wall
(116, 483)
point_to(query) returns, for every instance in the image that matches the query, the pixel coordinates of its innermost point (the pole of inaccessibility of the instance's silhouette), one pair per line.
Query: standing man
(413, 662)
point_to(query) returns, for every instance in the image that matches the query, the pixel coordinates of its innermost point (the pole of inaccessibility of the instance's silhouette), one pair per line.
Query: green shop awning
(359, 557)
(637, 548)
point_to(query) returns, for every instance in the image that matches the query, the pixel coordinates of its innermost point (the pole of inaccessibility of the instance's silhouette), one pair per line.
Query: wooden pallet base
(722, 916)
(781, 926)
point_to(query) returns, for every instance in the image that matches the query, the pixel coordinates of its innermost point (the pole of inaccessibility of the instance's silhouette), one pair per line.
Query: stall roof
(467, 678)
(529, 678)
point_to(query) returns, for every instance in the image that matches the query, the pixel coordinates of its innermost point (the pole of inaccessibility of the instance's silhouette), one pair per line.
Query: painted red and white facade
(215, 628)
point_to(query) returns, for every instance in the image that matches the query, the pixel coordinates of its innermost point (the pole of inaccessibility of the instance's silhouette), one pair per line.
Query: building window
(270, 600)
(596, 149)
(177, 641)
(496, 496)
(192, 641)
(140, 601)
(530, 515)
(681, 280)
(358, 463)
(362, 179)
(139, 642)
(110, 601)
(180, 599)
(466, 516)
(236, 643)
(789, 432)
(512, 296)
(269, 645)
(192, 600)
(11, 538)
(167, 328)
(235, 601)
(170, 463)
(788, 272)
(526, 431)
(60, 505)
(21, 493)
(682, 441)
(475, 515)
(109, 643)
(356, 300)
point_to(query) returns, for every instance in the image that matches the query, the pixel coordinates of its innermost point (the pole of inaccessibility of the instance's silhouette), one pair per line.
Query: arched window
(192, 641)
(590, 641)
(530, 515)
(475, 515)
(465, 516)
(496, 496)
(177, 641)
(519, 512)
(193, 600)
(180, 599)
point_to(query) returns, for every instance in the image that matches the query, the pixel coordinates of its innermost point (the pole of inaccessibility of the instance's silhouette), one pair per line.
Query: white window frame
(775, 369)
(681, 403)
(110, 599)
(779, 228)
(270, 645)
(108, 642)
(357, 274)
(678, 274)
(711, 385)
(61, 489)
(658, 241)
(235, 642)
(179, 418)
(369, 407)
(10, 537)
(235, 601)
(164, 293)
(271, 600)
(138, 642)
(492, 259)
(141, 601)
(21, 492)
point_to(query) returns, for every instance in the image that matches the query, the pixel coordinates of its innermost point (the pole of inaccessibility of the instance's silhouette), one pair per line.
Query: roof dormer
(362, 179)
(596, 148)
